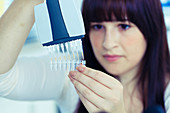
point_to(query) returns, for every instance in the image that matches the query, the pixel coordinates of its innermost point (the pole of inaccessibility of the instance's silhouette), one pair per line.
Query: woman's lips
(112, 58)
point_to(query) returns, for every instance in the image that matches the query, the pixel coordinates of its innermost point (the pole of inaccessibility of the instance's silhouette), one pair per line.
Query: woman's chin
(113, 72)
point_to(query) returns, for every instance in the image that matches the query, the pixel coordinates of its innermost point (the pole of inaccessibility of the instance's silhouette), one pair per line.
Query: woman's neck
(129, 79)
(132, 97)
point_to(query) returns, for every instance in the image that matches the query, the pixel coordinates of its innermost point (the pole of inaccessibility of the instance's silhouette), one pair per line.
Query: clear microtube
(66, 56)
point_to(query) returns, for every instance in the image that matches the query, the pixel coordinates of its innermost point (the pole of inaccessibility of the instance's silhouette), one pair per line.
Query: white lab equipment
(60, 28)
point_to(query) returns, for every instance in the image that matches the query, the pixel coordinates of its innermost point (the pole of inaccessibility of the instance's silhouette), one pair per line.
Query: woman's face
(118, 46)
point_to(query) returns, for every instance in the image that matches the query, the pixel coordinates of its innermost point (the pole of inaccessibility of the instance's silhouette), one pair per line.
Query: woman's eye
(97, 27)
(124, 26)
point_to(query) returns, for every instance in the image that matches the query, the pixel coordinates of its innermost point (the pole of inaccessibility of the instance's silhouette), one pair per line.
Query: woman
(126, 52)
(127, 40)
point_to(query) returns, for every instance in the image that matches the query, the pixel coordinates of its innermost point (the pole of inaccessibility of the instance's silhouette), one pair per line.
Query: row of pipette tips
(66, 56)
(72, 50)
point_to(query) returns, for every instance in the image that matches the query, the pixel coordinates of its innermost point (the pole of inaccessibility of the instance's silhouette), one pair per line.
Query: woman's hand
(97, 90)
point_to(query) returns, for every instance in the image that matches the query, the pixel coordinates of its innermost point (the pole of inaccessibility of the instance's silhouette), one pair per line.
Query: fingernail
(72, 74)
(80, 64)
(80, 68)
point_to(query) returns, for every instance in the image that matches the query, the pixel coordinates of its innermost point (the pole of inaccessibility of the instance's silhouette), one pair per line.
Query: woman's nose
(110, 39)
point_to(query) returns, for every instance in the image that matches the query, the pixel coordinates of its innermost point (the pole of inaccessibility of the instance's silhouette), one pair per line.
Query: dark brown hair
(147, 15)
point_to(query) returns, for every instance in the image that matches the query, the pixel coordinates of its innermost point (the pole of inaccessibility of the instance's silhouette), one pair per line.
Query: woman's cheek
(96, 41)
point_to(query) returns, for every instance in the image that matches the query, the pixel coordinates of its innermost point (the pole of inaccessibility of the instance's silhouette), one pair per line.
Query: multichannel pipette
(60, 29)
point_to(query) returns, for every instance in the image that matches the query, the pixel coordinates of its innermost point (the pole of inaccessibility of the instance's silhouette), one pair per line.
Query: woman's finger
(88, 105)
(99, 76)
(95, 86)
(88, 94)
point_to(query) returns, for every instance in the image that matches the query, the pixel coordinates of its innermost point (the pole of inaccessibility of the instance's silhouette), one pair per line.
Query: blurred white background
(11, 106)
